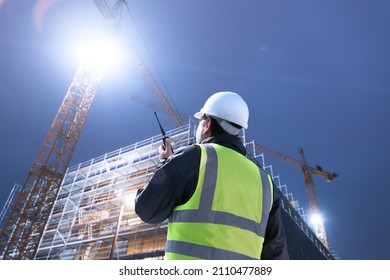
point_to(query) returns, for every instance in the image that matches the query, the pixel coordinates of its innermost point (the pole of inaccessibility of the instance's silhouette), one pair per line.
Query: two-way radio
(162, 132)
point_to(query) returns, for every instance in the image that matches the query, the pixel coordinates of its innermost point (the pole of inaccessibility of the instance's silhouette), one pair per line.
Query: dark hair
(216, 129)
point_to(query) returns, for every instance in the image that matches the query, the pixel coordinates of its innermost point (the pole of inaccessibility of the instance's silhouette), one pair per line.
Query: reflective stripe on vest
(197, 217)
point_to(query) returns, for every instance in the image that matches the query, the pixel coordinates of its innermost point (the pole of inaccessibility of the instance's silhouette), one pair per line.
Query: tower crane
(26, 221)
(24, 225)
(307, 170)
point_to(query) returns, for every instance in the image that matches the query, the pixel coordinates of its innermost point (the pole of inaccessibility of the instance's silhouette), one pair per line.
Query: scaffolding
(92, 219)
(7, 206)
(87, 221)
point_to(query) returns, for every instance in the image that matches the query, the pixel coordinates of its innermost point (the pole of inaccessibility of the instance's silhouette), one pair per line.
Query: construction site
(86, 211)
(93, 214)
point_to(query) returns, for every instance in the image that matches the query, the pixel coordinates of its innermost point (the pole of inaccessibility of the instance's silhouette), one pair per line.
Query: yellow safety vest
(227, 215)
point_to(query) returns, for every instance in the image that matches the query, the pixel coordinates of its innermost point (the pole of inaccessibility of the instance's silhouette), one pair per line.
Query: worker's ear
(207, 127)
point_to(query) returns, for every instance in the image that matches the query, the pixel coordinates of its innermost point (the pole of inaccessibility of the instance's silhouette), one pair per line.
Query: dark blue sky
(315, 75)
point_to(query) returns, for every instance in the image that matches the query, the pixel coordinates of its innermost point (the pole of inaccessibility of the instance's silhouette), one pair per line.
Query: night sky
(314, 73)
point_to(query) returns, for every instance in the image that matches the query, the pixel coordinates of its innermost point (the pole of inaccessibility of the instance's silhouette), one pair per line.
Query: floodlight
(316, 219)
(105, 52)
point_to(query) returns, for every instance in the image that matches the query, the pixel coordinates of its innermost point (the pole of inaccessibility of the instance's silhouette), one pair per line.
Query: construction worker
(219, 204)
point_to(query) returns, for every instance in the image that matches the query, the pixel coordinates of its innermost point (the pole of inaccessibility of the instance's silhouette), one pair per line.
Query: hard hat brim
(198, 115)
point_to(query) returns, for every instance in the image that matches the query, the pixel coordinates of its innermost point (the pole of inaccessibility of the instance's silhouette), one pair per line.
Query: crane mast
(307, 171)
(314, 208)
(24, 226)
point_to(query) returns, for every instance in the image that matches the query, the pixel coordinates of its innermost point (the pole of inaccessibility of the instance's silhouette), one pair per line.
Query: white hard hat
(228, 106)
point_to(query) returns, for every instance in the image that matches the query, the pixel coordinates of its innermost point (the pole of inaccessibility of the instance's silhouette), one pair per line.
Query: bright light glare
(129, 200)
(105, 53)
(316, 219)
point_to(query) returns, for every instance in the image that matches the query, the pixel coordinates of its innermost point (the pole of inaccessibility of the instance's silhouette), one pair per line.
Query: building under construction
(93, 215)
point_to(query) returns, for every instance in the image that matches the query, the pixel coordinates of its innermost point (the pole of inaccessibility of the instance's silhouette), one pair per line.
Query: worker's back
(227, 215)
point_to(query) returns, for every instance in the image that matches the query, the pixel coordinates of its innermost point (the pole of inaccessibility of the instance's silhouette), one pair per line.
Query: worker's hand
(165, 151)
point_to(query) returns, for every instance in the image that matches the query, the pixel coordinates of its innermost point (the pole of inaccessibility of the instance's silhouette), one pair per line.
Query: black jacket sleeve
(172, 184)
(275, 243)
